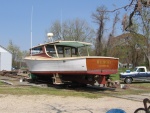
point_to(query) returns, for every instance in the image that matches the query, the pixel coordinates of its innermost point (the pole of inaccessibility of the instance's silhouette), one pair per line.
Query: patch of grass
(141, 85)
(116, 76)
(131, 92)
(47, 91)
(1, 83)
(135, 88)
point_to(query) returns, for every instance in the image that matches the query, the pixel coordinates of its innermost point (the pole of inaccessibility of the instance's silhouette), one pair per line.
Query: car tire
(128, 80)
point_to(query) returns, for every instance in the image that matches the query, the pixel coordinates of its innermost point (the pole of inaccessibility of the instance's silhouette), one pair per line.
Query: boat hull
(83, 70)
(83, 65)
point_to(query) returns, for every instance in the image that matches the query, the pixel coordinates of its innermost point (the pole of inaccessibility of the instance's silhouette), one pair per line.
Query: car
(139, 73)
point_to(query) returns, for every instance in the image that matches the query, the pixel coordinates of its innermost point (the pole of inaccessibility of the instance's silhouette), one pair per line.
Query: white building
(5, 59)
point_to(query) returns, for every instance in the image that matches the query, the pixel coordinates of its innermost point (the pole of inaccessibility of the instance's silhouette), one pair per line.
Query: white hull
(52, 65)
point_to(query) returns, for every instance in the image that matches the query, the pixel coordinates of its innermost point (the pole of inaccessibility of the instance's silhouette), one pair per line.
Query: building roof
(3, 49)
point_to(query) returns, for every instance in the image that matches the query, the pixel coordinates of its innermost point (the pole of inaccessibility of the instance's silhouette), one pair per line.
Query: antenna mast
(31, 30)
(61, 27)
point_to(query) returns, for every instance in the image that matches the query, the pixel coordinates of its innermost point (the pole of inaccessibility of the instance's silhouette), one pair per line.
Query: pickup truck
(140, 73)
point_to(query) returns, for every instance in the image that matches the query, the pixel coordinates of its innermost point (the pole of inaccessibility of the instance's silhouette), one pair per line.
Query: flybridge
(61, 49)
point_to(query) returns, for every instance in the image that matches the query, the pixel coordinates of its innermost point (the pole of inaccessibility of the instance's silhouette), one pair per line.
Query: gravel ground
(58, 104)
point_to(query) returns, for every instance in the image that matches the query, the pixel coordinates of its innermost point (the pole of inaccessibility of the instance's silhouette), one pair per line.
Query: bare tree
(76, 30)
(136, 7)
(141, 10)
(100, 17)
(115, 21)
(56, 29)
(112, 34)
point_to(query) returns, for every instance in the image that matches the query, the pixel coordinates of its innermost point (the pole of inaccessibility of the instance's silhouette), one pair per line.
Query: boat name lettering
(103, 66)
(103, 62)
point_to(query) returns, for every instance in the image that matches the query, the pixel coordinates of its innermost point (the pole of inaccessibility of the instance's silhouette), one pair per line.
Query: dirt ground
(58, 104)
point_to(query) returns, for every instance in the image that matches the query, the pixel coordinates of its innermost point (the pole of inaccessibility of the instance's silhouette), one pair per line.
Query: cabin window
(51, 50)
(67, 52)
(37, 50)
(60, 50)
(83, 51)
(73, 51)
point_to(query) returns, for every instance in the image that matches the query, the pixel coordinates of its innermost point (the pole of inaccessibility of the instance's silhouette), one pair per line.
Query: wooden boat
(63, 62)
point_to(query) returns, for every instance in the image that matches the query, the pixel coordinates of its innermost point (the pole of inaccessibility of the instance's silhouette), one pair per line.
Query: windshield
(36, 50)
(63, 51)
(135, 69)
(139, 69)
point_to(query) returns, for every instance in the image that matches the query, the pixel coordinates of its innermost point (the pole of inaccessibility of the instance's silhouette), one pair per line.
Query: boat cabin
(60, 49)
